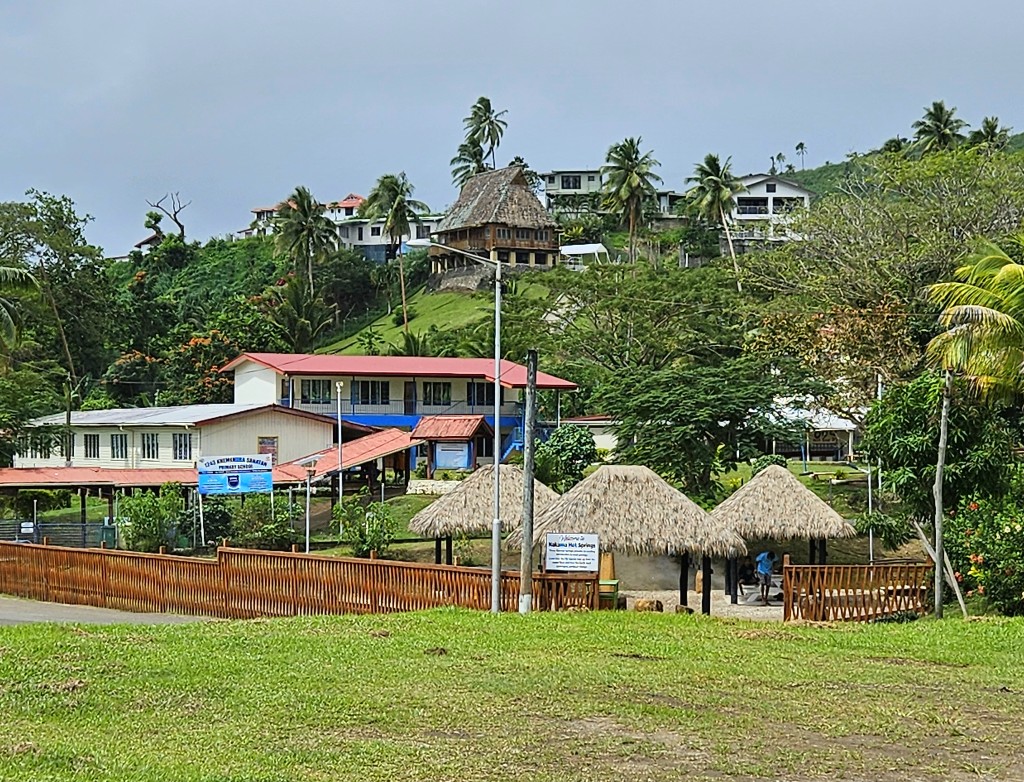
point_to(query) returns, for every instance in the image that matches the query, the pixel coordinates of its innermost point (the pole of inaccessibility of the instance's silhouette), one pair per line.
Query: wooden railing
(243, 584)
(861, 593)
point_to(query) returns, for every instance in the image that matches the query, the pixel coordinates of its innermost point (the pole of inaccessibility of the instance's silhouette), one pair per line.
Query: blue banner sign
(236, 474)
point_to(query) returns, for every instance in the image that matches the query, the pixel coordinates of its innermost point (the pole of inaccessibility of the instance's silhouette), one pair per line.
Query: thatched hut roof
(634, 511)
(775, 505)
(501, 197)
(470, 507)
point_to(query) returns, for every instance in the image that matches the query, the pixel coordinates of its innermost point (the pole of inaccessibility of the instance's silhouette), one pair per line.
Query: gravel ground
(720, 605)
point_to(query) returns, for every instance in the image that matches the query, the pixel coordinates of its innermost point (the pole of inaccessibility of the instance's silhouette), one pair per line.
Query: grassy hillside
(448, 695)
(444, 309)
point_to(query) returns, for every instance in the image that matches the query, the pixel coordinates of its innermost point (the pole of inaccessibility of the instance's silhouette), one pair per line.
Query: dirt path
(15, 611)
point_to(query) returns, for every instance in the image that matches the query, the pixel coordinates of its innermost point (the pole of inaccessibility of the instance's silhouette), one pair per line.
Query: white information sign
(574, 553)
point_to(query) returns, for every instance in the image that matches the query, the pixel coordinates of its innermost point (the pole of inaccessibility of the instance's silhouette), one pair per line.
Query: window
(542, 236)
(504, 233)
(422, 231)
(315, 392)
(590, 177)
(349, 211)
(67, 445)
(523, 258)
(485, 447)
(769, 187)
(570, 183)
(181, 447)
(359, 234)
(36, 446)
(375, 230)
(286, 390)
(371, 392)
(502, 256)
(551, 180)
(481, 394)
(92, 446)
(118, 446)
(524, 233)
(343, 230)
(150, 445)
(437, 394)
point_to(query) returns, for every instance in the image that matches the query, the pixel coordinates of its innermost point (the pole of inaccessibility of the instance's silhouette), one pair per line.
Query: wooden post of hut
(734, 568)
(705, 597)
(437, 551)
(448, 550)
(822, 552)
(812, 551)
(684, 576)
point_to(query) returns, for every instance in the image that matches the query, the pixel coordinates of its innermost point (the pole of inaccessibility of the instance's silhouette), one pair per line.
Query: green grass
(448, 695)
(444, 309)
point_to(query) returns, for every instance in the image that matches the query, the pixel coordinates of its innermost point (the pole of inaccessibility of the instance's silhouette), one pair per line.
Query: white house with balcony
(764, 209)
(389, 391)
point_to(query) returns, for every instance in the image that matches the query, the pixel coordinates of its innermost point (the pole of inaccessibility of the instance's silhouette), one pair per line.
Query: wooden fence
(244, 584)
(853, 592)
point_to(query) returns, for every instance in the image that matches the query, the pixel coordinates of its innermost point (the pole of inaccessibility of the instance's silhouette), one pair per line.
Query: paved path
(14, 611)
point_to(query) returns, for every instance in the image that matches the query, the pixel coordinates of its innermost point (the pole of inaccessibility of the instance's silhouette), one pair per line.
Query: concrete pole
(496, 523)
(526, 555)
(940, 467)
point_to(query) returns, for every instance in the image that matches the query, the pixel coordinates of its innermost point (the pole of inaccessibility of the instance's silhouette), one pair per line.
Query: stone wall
(431, 487)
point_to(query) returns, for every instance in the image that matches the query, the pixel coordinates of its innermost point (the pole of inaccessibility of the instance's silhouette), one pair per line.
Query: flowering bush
(985, 541)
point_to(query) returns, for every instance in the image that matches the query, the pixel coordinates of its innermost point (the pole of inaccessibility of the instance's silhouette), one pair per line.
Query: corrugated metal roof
(513, 375)
(101, 477)
(365, 449)
(180, 415)
(450, 427)
(501, 197)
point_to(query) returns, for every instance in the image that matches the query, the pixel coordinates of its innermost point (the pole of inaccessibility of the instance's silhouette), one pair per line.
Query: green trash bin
(108, 535)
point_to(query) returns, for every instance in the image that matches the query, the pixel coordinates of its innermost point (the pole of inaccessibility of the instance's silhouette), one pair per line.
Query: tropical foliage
(303, 233)
(713, 198)
(629, 181)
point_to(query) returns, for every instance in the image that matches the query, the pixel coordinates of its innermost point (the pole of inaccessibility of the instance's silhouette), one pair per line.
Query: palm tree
(303, 232)
(983, 310)
(629, 180)
(15, 280)
(713, 197)
(484, 125)
(801, 151)
(391, 199)
(467, 163)
(989, 135)
(298, 314)
(938, 129)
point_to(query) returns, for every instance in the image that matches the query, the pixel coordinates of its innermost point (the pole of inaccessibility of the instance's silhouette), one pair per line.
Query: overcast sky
(233, 103)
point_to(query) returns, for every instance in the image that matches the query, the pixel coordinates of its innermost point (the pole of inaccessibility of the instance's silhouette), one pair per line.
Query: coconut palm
(801, 151)
(15, 280)
(391, 199)
(983, 311)
(298, 314)
(989, 135)
(485, 126)
(303, 232)
(629, 180)
(467, 163)
(939, 128)
(713, 198)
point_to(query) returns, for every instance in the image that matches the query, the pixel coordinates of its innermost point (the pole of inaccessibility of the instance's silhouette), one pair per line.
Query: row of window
(181, 446)
(314, 391)
(522, 233)
(572, 182)
(344, 231)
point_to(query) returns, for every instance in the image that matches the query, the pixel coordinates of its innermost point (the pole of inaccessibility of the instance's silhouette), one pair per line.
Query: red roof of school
(450, 427)
(513, 375)
(365, 449)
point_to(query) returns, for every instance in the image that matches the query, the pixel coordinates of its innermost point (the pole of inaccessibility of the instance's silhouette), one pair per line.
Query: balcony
(401, 408)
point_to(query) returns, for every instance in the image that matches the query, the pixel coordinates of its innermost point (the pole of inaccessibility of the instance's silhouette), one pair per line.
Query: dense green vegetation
(449, 694)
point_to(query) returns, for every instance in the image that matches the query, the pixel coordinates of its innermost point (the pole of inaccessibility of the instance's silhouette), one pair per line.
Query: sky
(233, 103)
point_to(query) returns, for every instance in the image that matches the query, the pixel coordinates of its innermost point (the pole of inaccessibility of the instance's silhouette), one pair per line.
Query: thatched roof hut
(775, 505)
(470, 507)
(634, 511)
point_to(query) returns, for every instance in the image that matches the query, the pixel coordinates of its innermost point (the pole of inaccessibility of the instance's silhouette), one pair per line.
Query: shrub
(366, 528)
(148, 521)
(573, 447)
(985, 542)
(257, 523)
(766, 461)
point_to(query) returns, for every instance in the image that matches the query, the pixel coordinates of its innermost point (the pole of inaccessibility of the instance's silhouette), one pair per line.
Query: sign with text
(573, 553)
(236, 474)
(451, 456)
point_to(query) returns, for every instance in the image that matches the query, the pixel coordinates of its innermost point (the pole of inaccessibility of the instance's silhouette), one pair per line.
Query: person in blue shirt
(765, 566)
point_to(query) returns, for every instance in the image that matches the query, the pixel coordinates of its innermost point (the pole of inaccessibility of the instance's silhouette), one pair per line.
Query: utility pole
(940, 467)
(68, 436)
(529, 417)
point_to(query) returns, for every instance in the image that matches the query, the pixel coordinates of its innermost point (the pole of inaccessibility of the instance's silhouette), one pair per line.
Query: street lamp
(310, 472)
(496, 522)
(338, 385)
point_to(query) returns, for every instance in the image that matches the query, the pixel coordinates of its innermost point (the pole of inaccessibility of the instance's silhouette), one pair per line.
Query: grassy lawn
(450, 695)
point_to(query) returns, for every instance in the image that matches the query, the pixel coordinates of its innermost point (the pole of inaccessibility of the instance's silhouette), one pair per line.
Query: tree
(777, 160)
(15, 280)
(302, 231)
(801, 151)
(391, 199)
(298, 314)
(902, 430)
(713, 198)
(572, 447)
(990, 135)
(150, 520)
(629, 181)
(983, 312)
(485, 126)
(177, 206)
(467, 163)
(938, 129)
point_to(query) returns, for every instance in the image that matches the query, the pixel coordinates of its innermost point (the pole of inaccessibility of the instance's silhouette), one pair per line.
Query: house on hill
(764, 210)
(497, 217)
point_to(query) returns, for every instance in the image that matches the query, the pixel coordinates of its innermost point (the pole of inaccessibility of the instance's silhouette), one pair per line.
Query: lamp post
(496, 522)
(338, 386)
